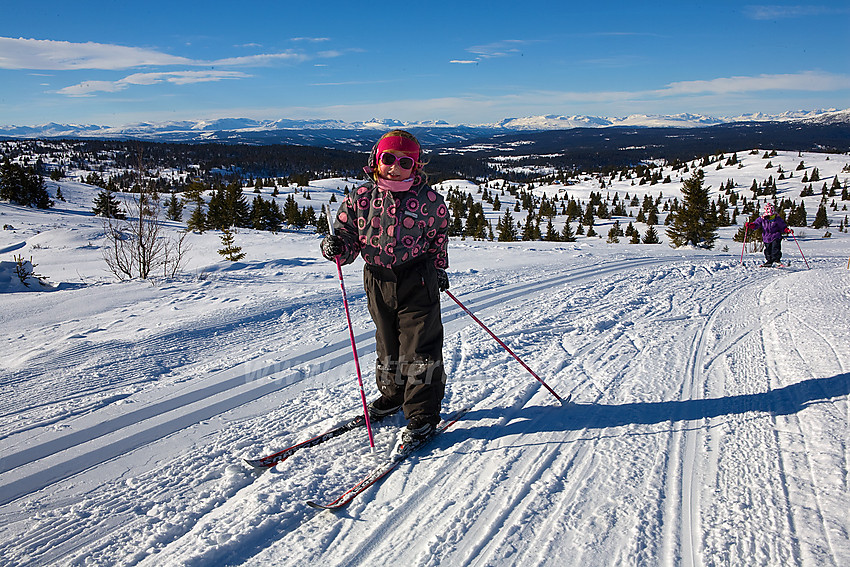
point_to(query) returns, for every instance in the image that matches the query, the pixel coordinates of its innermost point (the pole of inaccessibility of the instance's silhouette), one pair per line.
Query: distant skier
(773, 228)
(399, 225)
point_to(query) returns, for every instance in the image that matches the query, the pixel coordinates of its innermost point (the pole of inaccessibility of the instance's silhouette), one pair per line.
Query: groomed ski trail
(641, 471)
(103, 435)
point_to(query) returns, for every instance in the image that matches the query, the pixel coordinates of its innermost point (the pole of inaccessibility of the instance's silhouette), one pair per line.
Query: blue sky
(114, 63)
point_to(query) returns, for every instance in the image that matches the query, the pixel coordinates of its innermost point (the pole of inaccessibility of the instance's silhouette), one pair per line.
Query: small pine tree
(821, 220)
(506, 227)
(651, 236)
(551, 233)
(531, 228)
(322, 223)
(174, 209)
(198, 220)
(230, 251)
(291, 212)
(693, 223)
(567, 235)
(107, 206)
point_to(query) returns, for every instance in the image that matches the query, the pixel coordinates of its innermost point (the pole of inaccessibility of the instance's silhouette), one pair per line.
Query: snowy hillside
(711, 423)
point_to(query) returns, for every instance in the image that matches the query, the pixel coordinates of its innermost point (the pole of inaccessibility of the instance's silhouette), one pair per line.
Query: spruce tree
(474, 222)
(531, 228)
(230, 250)
(309, 216)
(693, 223)
(236, 206)
(615, 232)
(291, 212)
(107, 206)
(506, 227)
(821, 220)
(567, 235)
(651, 236)
(798, 216)
(198, 220)
(174, 209)
(551, 233)
(322, 223)
(217, 218)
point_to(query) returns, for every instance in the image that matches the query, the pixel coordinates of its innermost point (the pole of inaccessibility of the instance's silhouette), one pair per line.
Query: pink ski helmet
(769, 210)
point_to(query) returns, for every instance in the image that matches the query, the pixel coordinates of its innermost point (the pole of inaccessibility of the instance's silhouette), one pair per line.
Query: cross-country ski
(283, 454)
(398, 455)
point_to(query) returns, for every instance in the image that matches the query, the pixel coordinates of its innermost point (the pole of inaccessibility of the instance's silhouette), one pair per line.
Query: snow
(710, 424)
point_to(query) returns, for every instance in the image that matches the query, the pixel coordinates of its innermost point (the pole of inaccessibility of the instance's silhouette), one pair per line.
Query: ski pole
(801, 250)
(504, 346)
(744, 247)
(353, 344)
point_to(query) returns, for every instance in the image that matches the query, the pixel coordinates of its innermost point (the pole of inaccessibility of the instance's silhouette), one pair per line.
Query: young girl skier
(773, 228)
(399, 225)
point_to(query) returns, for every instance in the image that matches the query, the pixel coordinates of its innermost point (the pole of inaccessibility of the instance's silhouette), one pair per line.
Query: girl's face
(394, 171)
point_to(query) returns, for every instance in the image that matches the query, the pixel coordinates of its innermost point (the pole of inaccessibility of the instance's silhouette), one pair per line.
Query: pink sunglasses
(404, 162)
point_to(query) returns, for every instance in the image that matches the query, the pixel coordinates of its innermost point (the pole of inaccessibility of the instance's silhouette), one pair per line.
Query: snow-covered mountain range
(282, 130)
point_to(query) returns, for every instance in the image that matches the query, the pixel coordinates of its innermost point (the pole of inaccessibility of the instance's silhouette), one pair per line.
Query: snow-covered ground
(710, 424)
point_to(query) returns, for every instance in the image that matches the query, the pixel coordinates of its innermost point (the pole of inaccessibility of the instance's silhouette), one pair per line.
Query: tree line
(23, 185)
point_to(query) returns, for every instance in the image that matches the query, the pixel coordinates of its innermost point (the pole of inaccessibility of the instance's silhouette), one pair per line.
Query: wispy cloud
(260, 60)
(778, 12)
(719, 88)
(502, 48)
(87, 88)
(497, 49)
(51, 55)
(360, 82)
(804, 81)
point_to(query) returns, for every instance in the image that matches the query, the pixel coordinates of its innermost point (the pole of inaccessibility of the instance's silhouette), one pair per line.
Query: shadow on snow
(782, 401)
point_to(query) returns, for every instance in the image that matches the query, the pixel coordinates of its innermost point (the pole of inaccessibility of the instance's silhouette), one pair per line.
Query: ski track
(517, 466)
(798, 437)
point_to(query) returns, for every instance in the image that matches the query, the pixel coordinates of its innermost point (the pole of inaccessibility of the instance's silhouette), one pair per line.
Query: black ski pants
(773, 251)
(405, 305)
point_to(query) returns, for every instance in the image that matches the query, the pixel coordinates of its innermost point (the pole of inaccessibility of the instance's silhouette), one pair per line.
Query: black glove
(332, 246)
(442, 280)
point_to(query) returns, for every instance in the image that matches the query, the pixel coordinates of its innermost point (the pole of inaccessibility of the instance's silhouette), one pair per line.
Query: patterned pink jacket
(390, 229)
